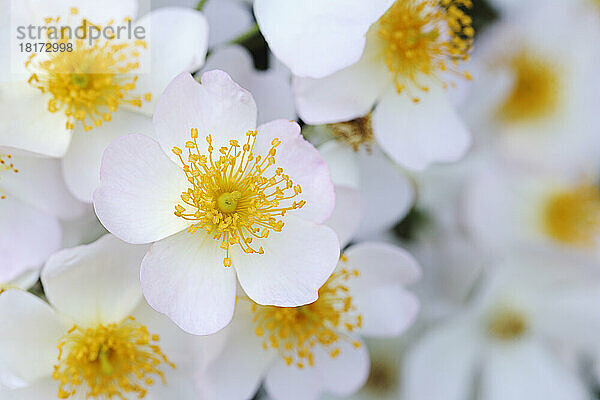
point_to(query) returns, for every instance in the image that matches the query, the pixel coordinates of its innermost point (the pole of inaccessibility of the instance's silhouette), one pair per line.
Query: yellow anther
(108, 361)
(573, 216)
(425, 37)
(294, 331)
(234, 196)
(88, 82)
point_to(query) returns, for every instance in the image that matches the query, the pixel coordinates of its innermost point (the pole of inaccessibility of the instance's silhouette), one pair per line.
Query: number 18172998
(45, 47)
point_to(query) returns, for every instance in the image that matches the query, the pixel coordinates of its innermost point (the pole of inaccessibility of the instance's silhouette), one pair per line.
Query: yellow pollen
(108, 361)
(6, 165)
(573, 217)
(535, 92)
(425, 38)
(91, 81)
(356, 133)
(507, 325)
(294, 331)
(234, 195)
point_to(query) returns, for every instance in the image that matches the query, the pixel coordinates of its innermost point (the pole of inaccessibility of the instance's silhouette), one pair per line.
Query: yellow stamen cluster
(425, 38)
(573, 217)
(535, 91)
(234, 195)
(6, 165)
(294, 331)
(508, 324)
(109, 361)
(356, 133)
(90, 82)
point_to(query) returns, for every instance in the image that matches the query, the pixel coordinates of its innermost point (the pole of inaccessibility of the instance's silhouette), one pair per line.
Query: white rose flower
(306, 351)
(96, 338)
(72, 104)
(506, 209)
(507, 344)
(237, 196)
(392, 58)
(536, 90)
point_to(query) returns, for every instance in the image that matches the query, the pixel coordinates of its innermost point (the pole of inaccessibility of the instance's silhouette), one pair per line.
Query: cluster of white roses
(169, 231)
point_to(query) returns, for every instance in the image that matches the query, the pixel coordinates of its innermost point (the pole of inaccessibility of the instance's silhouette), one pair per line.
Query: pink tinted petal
(303, 163)
(217, 106)
(139, 189)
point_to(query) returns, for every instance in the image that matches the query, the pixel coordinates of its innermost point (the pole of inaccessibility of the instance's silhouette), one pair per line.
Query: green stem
(200, 5)
(246, 35)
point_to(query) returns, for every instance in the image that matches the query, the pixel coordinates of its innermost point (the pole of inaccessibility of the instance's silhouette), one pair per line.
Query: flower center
(425, 38)
(294, 331)
(6, 165)
(356, 133)
(535, 90)
(573, 217)
(108, 361)
(227, 202)
(508, 325)
(234, 195)
(88, 82)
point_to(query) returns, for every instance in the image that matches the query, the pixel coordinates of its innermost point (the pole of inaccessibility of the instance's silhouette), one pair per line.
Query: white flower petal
(228, 19)
(237, 61)
(303, 163)
(139, 189)
(446, 356)
(529, 371)
(417, 135)
(296, 262)
(387, 309)
(342, 375)
(178, 40)
(217, 106)
(383, 262)
(40, 389)
(40, 184)
(244, 360)
(27, 279)
(29, 333)
(96, 283)
(285, 382)
(346, 373)
(387, 193)
(316, 38)
(82, 230)
(570, 307)
(31, 126)
(347, 214)
(342, 162)
(81, 163)
(345, 95)
(188, 352)
(27, 238)
(183, 277)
